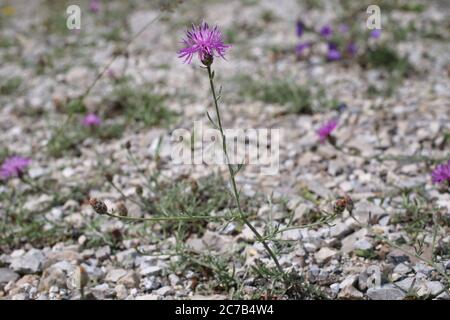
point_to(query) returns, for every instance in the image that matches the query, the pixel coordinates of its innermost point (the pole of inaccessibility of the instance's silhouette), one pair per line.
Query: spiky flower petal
(325, 131)
(13, 167)
(204, 41)
(441, 173)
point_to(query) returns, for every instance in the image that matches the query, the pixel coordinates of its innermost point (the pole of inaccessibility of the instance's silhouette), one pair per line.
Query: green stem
(171, 218)
(233, 181)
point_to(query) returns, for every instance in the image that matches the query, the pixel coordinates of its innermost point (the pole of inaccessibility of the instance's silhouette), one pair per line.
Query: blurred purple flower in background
(343, 28)
(333, 53)
(13, 166)
(204, 41)
(91, 120)
(94, 6)
(352, 48)
(326, 31)
(301, 47)
(375, 33)
(326, 129)
(441, 173)
(300, 28)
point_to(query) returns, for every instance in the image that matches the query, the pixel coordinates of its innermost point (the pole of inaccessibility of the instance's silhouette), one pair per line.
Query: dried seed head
(122, 209)
(98, 206)
(343, 203)
(109, 176)
(128, 145)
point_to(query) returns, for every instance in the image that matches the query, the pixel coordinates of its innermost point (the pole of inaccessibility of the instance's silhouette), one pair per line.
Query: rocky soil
(394, 244)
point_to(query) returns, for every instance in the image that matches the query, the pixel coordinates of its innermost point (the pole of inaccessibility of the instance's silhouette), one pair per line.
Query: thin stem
(232, 179)
(172, 218)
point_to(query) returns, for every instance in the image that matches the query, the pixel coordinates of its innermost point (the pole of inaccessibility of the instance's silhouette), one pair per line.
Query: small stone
(130, 280)
(364, 209)
(301, 211)
(363, 244)
(30, 262)
(397, 256)
(127, 258)
(150, 270)
(447, 264)
(115, 275)
(423, 268)
(7, 275)
(405, 284)
(434, 288)
(351, 293)
(348, 243)
(164, 291)
(335, 287)
(173, 279)
(310, 247)
(151, 284)
(341, 229)
(64, 255)
(82, 240)
(121, 292)
(324, 255)
(102, 291)
(103, 253)
(402, 269)
(53, 276)
(386, 292)
(363, 277)
(349, 281)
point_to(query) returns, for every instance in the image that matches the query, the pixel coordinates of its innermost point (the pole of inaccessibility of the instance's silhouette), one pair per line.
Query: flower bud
(207, 60)
(98, 206)
(109, 176)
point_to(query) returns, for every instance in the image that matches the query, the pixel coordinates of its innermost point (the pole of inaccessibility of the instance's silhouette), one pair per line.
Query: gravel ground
(392, 244)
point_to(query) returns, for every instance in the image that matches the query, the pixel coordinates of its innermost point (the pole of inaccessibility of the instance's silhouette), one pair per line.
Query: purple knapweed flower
(352, 48)
(326, 31)
(441, 173)
(300, 28)
(91, 120)
(333, 53)
(301, 47)
(375, 33)
(204, 41)
(13, 167)
(325, 130)
(94, 6)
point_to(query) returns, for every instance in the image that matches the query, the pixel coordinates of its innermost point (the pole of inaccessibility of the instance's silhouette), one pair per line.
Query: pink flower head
(94, 6)
(441, 173)
(204, 41)
(91, 120)
(13, 167)
(326, 129)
